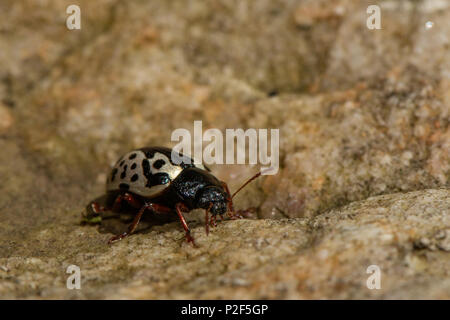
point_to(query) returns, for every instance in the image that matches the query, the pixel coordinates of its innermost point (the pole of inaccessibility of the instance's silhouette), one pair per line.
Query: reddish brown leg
(207, 222)
(156, 208)
(229, 200)
(94, 209)
(235, 215)
(128, 197)
(230, 212)
(213, 220)
(179, 207)
(92, 213)
(207, 219)
(131, 228)
(97, 208)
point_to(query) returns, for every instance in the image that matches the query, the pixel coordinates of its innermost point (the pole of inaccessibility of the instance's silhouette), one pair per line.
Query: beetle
(165, 182)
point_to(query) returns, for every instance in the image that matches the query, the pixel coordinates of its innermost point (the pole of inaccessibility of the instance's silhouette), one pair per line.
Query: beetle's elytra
(148, 180)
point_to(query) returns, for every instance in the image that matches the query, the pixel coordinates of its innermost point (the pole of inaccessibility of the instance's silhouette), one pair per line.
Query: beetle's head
(213, 198)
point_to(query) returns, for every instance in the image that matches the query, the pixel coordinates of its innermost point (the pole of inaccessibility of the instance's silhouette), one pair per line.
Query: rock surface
(406, 235)
(364, 145)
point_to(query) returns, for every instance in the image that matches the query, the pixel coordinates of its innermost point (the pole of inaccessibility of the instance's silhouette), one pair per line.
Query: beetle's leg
(132, 226)
(229, 200)
(179, 207)
(151, 206)
(207, 222)
(92, 213)
(231, 212)
(235, 216)
(213, 220)
(207, 218)
(97, 208)
(158, 208)
(129, 198)
(94, 209)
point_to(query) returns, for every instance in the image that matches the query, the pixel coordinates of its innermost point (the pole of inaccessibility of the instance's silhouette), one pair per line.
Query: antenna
(246, 183)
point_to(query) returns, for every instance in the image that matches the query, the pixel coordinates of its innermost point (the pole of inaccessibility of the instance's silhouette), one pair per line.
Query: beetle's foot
(207, 228)
(190, 239)
(235, 215)
(117, 237)
(213, 221)
(249, 213)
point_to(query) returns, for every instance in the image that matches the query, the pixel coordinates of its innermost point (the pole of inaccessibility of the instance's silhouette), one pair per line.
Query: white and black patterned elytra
(147, 171)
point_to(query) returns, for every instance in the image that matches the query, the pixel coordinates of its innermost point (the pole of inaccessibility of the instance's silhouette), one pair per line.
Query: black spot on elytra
(132, 156)
(124, 186)
(133, 166)
(158, 164)
(113, 174)
(134, 177)
(124, 172)
(121, 163)
(154, 179)
(188, 163)
(159, 178)
(150, 154)
(146, 168)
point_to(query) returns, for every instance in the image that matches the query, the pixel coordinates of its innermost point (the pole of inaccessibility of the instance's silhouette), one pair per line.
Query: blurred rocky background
(364, 145)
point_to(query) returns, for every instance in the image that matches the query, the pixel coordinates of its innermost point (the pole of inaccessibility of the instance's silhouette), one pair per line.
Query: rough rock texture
(361, 113)
(406, 235)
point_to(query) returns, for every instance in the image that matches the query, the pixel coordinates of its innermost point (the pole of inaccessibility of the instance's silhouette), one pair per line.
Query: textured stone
(322, 257)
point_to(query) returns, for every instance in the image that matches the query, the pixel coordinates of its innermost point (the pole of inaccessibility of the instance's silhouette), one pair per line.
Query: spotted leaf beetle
(164, 182)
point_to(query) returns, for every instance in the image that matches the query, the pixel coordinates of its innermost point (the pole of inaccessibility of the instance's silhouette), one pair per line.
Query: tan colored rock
(323, 257)
(6, 119)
